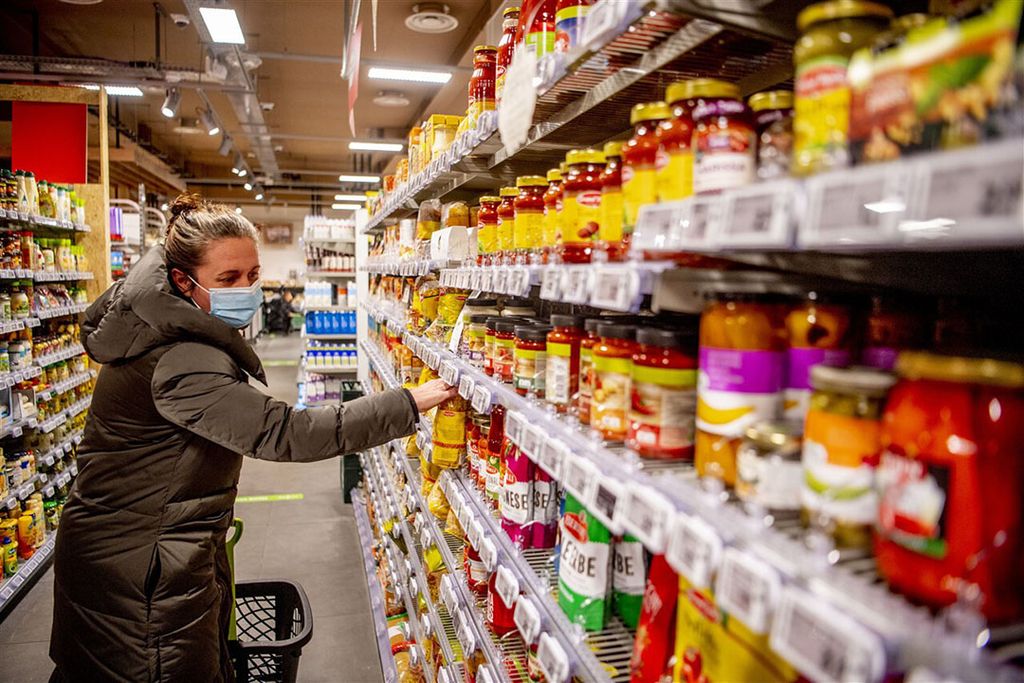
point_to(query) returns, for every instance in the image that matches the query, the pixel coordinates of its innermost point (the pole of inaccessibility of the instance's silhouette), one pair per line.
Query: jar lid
(531, 181)
(712, 87)
(584, 156)
(772, 99)
(489, 199)
(672, 338)
(566, 320)
(855, 380)
(680, 90)
(477, 318)
(485, 48)
(613, 149)
(509, 11)
(518, 302)
(554, 175)
(532, 332)
(991, 371)
(840, 9)
(507, 324)
(590, 324)
(508, 192)
(492, 320)
(782, 434)
(481, 301)
(616, 330)
(563, 167)
(649, 111)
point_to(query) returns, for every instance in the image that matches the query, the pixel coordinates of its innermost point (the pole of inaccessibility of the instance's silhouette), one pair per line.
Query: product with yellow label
(529, 218)
(613, 365)
(487, 229)
(428, 220)
(674, 162)
(581, 205)
(639, 160)
(506, 223)
(612, 238)
(552, 212)
(449, 435)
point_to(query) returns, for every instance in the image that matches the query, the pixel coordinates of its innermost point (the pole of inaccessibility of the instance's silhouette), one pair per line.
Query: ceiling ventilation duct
(431, 17)
(391, 98)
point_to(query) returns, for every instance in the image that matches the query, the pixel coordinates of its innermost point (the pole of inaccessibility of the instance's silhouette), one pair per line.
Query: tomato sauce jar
(639, 160)
(530, 359)
(950, 513)
(613, 365)
(569, 20)
(581, 205)
(674, 164)
(506, 48)
(663, 401)
(487, 229)
(537, 27)
(587, 344)
(506, 225)
(724, 140)
(504, 346)
(562, 380)
(552, 212)
(495, 446)
(529, 218)
(481, 83)
(611, 238)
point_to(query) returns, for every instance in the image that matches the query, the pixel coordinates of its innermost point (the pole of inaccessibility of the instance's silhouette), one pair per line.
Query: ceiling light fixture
(356, 178)
(223, 25)
(346, 207)
(171, 103)
(259, 196)
(242, 172)
(366, 146)
(431, 17)
(225, 146)
(248, 187)
(114, 90)
(349, 198)
(239, 165)
(238, 210)
(391, 98)
(384, 73)
(209, 123)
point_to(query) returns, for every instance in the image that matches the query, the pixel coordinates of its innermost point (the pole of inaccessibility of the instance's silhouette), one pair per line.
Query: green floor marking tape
(280, 363)
(272, 498)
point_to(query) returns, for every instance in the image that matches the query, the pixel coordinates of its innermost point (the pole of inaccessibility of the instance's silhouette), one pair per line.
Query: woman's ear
(182, 281)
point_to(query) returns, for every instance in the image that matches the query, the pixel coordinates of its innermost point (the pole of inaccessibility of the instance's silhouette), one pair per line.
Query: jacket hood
(143, 312)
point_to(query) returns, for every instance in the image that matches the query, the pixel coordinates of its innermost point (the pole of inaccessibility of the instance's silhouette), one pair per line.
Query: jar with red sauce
(476, 572)
(495, 446)
(612, 369)
(951, 518)
(639, 160)
(537, 26)
(663, 406)
(724, 140)
(569, 20)
(588, 341)
(562, 378)
(506, 48)
(675, 140)
(487, 229)
(498, 614)
(506, 225)
(481, 83)
(552, 213)
(530, 359)
(529, 218)
(581, 205)
(611, 238)
(504, 348)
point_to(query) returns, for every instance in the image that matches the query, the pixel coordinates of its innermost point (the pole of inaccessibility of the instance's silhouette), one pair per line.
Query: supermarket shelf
(8, 379)
(66, 385)
(327, 336)
(41, 222)
(329, 370)
(330, 309)
(58, 356)
(326, 241)
(73, 309)
(42, 481)
(70, 276)
(18, 325)
(14, 589)
(329, 273)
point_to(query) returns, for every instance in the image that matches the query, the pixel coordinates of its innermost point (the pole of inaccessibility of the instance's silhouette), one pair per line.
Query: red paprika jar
(723, 139)
(552, 213)
(529, 219)
(481, 83)
(587, 344)
(506, 48)
(581, 205)
(674, 164)
(487, 229)
(663, 406)
(562, 379)
(530, 359)
(639, 160)
(504, 348)
(612, 368)
(506, 225)
(499, 616)
(612, 240)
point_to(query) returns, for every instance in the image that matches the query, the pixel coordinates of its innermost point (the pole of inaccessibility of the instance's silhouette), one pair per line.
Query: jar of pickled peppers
(487, 229)
(612, 240)
(529, 218)
(506, 225)
(581, 205)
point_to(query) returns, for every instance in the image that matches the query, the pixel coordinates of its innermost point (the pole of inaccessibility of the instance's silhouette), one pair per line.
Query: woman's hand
(432, 393)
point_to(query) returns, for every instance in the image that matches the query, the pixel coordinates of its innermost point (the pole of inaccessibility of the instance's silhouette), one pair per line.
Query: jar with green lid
(769, 471)
(842, 444)
(830, 32)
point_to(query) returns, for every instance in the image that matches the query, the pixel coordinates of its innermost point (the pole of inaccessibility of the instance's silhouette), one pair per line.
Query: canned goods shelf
(29, 571)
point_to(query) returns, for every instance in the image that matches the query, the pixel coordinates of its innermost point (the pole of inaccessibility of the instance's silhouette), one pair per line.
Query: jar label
(609, 408)
(503, 358)
(639, 188)
(530, 370)
(487, 237)
(492, 480)
(541, 42)
(558, 376)
(800, 361)
(478, 107)
(881, 357)
(569, 26)
(774, 483)
(912, 511)
(839, 458)
(821, 114)
(735, 389)
(477, 571)
(663, 412)
(552, 226)
(570, 217)
(506, 232)
(528, 227)
(674, 177)
(516, 505)
(611, 216)
(588, 216)
(724, 161)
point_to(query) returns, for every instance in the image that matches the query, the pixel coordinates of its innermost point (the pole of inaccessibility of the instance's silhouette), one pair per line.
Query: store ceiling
(300, 43)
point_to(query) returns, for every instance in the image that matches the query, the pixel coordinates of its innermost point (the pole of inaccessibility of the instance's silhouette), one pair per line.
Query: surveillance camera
(181, 20)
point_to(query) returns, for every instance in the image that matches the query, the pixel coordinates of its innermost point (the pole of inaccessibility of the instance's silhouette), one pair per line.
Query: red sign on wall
(50, 139)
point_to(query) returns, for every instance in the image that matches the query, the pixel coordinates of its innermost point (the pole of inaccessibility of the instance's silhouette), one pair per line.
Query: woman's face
(229, 262)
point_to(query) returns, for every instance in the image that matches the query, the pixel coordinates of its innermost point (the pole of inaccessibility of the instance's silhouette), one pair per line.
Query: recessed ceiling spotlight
(391, 98)
(238, 210)
(431, 17)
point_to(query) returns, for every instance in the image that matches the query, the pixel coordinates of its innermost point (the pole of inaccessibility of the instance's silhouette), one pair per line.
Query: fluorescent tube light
(358, 146)
(410, 75)
(223, 25)
(346, 207)
(115, 90)
(349, 198)
(356, 178)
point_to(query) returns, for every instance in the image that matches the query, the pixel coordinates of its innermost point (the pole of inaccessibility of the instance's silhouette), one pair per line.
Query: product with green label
(584, 567)
(629, 571)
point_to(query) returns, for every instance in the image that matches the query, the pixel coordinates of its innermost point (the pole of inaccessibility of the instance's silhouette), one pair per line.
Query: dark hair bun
(188, 201)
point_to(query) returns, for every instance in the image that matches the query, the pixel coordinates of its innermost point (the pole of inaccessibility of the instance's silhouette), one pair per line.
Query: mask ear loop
(200, 287)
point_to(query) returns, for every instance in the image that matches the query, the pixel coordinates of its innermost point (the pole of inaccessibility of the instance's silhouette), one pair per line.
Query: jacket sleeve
(199, 389)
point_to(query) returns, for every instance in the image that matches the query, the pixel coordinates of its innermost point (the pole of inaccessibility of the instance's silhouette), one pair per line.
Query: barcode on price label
(824, 643)
(481, 400)
(656, 226)
(576, 285)
(694, 550)
(550, 285)
(506, 585)
(607, 494)
(748, 588)
(501, 281)
(552, 659)
(466, 386)
(527, 619)
(645, 515)
(488, 553)
(616, 287)
(579, 475)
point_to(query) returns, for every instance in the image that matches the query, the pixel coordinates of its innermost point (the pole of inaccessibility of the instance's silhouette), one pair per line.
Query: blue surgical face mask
(234, 305)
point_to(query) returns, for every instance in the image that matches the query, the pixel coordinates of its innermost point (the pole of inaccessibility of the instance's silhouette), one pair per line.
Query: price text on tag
(748, 588)
(507, 586)
(694, 550)
(552, 659)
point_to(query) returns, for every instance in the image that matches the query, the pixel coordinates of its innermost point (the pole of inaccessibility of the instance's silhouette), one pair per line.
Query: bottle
(506, 49)
(611, 238)
(612, 390)
(674, 164)
(529, 218)
(506, 224)
(552, 213)
(481, 83)
(581, 202)
(639, 160)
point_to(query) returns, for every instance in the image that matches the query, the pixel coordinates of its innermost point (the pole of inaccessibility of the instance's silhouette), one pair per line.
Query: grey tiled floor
(312, 541)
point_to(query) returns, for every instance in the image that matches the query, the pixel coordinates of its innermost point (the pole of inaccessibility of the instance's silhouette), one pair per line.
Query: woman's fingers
(432, 393)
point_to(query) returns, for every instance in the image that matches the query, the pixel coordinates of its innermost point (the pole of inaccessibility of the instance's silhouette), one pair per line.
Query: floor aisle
(312, 541)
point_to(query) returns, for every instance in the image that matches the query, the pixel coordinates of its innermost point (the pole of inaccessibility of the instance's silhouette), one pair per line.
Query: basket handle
(237, 526)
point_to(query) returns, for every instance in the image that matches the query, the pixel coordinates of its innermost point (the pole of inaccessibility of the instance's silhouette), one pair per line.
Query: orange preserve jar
(664, 394)
(487, 229)
(562, 379)
(581, 205)
(504, 348)
(529, 218)
(611, 239)
(724, 139)
(613, 365)
(587, 344)
(506, 48)
(481, 83)
(552, 212)
(675, 139)
(530, 356)
(639, 160)
(506, 225)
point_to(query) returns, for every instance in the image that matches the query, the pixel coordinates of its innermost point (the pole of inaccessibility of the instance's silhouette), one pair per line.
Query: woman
(142, 586)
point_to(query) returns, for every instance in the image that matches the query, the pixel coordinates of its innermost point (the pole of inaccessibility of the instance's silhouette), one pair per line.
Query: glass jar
(476, 572)
(613, 365)
(487, 229)
(530, 359)
(517, 307)
(562, 380)
(742, 364)
(581, 205)
(587, 343)
(842, 444)
(723, 138)
(21, 307)
(538, 22)
(674, 162)
(504, 346)
(475, 338)
(820, 333)
(490, 336)
(830, 32)
(612, 240)
(893, 326)
(769, 469)
(569, 19)
(552, 212)
(481, 83)
(506, 48)
(950, 510)
(495, 447)
(529, 218)
(639, 160)
(506, 224)
(773, 125)
(664, 394)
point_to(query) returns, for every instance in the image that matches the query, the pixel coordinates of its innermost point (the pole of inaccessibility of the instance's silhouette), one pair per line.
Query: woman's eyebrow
(228, 273)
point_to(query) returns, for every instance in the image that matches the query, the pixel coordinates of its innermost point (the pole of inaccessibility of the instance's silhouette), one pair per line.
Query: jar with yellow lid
(639, 160)
(487, 229)
(581, 205)
(830, 32)
(529, 218)
(675, 144)
(773, 124)
(552, 212)
(723, 139)
(612, 240)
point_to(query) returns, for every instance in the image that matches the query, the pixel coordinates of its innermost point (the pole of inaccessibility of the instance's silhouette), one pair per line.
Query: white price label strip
(488, 554)
(552, 659)
(758, 216)
(527, 619)
(513, 426)
(748, 589)
(519, 282)
(501, 281)
(694, 550)
(576, 285)
(616, 288)
(646, 513)
(465, 633)
(487, 280)
(450, 373)
(607, 494)
(481, 400)
(506, 585)
(579, 475)
(857, 206)
(823, 642)
(551, 285)
(466, 386)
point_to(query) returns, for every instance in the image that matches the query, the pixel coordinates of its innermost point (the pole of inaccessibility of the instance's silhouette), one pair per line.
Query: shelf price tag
(552, 659)
(487, 280)
(488, 554)
(433, 359)
(553, 454)
(607, 494)
(466, 386)
(823, 642)
(474, 533)
(481, 401)
(527, 619)
(601, 22)
(694, 550)
(464, 631)
(576, 285)
(579, 475)
(501, 281)
(483, 672)
(616, 287)
(656, 225)
(445, 591)
(507, 586)
(475, 277)
(450, 373)
(760, 215)
(513, 427)
(748, 589)
(645, 515)
(531, 440)
(859, 206)
(550, 285)
(519, 281)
